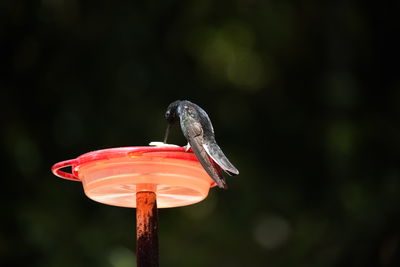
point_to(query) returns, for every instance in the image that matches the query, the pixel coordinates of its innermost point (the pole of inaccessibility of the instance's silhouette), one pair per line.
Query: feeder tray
(114, 176)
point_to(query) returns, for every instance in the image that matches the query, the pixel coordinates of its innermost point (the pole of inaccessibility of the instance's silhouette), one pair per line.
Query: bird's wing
(194, 134)
(215, 152)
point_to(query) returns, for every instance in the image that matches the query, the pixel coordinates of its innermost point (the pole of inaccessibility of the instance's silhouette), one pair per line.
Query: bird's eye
(167, 114)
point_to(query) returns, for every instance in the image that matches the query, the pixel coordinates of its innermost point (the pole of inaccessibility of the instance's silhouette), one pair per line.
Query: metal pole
(146, 229)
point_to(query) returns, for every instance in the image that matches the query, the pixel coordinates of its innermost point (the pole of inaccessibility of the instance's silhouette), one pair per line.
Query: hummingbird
(199, 132)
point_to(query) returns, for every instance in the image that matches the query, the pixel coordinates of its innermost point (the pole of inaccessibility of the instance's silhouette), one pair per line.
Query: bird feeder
(145, 178)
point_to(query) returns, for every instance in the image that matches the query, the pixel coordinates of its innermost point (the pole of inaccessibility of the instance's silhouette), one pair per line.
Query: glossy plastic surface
(113, 176)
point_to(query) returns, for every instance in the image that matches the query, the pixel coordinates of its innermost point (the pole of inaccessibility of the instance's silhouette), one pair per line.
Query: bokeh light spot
(228, 53)
(122, 257)
(271, 231)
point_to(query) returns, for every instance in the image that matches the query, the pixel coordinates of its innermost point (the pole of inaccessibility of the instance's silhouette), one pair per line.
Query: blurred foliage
(304, 97)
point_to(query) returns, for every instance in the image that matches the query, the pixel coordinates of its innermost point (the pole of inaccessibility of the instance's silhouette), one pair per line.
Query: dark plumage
(198, 130)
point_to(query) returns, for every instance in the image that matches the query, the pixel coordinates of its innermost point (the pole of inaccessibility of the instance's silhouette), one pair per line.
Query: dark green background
(304, 97)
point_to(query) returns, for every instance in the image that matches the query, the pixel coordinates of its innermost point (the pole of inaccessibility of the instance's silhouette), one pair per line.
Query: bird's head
(171, 115)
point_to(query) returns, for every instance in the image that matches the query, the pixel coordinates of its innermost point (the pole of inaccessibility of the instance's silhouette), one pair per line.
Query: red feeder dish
(114, 176)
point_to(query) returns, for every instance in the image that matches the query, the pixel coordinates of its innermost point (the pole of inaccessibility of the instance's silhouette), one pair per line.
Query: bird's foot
(187, 147)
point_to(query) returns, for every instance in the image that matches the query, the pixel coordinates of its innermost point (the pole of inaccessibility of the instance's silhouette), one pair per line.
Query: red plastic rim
(113, 153)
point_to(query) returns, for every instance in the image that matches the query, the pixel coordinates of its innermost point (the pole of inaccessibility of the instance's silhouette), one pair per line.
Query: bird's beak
(166, 133)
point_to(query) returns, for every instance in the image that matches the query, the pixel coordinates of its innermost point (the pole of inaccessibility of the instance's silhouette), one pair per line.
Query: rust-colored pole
(146, 229)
